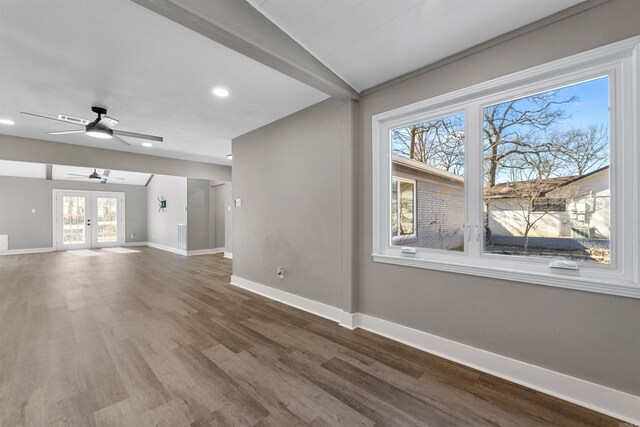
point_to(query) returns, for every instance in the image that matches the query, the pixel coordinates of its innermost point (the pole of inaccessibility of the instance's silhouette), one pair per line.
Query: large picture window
(530, 177)
(542, 152)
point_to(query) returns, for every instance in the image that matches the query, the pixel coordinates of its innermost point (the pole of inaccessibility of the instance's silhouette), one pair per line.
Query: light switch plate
(238, 202)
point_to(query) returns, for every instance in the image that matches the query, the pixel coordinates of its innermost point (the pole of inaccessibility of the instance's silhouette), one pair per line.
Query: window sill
(561, 279)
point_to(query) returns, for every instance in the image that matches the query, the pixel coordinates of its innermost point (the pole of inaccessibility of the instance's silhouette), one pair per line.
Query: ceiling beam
(239, 26)
(39, 151)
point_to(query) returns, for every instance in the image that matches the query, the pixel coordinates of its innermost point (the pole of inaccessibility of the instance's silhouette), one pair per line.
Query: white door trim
(90, 194)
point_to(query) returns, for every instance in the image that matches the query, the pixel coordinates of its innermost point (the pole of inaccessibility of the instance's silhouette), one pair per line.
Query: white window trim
(412, 236)
(621, 61)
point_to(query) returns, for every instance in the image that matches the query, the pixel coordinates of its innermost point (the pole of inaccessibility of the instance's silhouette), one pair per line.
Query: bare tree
(582, 150)
(438, 143)
(531, 180)
(511, 128)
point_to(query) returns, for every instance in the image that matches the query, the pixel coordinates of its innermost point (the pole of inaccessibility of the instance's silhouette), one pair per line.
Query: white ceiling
(152, 74)
(367, 42)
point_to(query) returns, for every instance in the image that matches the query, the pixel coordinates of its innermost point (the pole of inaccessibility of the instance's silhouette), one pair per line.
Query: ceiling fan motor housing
(99, 110)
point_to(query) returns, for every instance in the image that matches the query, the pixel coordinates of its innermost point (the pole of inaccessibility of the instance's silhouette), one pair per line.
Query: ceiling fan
(95, 176)
(101, 127)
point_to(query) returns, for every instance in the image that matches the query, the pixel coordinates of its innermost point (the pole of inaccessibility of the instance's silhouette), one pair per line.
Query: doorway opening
(88, 219)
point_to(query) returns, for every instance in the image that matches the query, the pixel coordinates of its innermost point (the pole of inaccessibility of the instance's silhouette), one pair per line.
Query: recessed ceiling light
(220, 92)
(147, 144)
(7, 122)
(229, 156)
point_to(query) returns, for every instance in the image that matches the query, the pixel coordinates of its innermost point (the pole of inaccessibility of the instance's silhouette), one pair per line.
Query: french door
(88, 219)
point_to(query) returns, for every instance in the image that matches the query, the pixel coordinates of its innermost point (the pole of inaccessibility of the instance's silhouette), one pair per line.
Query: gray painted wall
(296, 206)
(27, 231)
(590, 336)
(228, 220)
(217, 209)
(289, 177)
(198, 216)
(162, 227)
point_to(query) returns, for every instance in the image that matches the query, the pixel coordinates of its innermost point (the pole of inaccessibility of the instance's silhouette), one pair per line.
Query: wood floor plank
(276, 389)
(156, 339)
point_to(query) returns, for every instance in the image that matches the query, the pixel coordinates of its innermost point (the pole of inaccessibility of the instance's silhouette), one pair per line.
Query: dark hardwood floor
(153, 338)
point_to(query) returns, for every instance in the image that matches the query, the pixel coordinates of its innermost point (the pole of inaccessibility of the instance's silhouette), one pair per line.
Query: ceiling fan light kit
(101, 127)
(96, 132)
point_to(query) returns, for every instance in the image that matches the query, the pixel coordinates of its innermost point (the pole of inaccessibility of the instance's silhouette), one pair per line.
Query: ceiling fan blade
(104, 176)
(137, 135)
(77, 175)
(50, 118)
(120, 140)
(65, 132)
(107, 122)
(112, 177)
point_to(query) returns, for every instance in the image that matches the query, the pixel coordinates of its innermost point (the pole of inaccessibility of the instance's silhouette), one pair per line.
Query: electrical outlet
(133, 235)
(281, 273)
(33, 211)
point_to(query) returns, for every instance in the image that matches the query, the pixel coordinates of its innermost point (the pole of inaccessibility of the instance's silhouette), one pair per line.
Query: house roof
(508, 190)
(422, 167)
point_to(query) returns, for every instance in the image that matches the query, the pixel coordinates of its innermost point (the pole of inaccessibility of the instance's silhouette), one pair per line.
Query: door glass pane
(73, 220)
(546, 174)
(107, 219)
(427, 186)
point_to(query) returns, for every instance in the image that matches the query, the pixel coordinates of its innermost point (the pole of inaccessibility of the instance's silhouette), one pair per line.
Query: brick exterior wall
(440, 217)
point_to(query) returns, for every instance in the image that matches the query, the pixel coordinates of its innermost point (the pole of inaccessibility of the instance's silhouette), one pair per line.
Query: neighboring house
(431, 206)
(568, 207)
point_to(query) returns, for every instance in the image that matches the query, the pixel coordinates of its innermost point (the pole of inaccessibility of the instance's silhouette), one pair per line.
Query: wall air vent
(71, 119)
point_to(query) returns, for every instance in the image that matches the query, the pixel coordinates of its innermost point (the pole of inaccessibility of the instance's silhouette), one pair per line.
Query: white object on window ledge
(409, 251)
(563, 264)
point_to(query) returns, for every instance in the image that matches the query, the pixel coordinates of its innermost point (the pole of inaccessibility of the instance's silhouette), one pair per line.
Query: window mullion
(473, 179)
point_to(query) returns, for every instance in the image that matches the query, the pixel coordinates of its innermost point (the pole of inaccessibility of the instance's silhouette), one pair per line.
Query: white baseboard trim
(349, 320)
(198, 252)
(602, 399)
(167, 248)
(136, 244)
(615, 403)
(175, 250)
(205, 251)
(26, 251)
(314, 307)
(228, 255)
